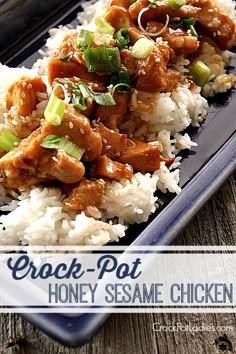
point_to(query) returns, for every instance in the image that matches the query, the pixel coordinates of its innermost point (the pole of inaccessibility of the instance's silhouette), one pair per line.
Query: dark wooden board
(133, 333)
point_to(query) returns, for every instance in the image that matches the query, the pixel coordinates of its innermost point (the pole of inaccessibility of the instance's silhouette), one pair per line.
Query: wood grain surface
(133, 333)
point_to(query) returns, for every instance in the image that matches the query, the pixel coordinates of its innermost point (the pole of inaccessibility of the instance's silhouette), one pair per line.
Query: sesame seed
(81, 131)
(108, 147)
(23, 84)
(23, 94)
(105, 141)
(21, 102)
(29, 87)
(71, 125)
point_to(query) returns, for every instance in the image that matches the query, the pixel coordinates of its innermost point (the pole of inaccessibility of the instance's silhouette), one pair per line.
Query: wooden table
(133, 333)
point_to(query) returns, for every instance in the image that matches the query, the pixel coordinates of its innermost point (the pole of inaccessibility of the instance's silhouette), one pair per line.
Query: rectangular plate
(203, 171)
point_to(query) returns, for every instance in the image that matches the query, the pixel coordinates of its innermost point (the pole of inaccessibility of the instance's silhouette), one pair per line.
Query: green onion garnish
(62, 143)
(132, 1)
(64, 81)
(102, 25)
(200, 73)
(101, 98)
(55, 110)
(81, 91)
(142, 48)
(193, 31)
(64, 57)
(85, 39)
(121, 76)
(8, 141)
(187, 21)
(78, 101)
(121, 85)
(122, 38)
(176, 4)
(176, 25)
(102, 59)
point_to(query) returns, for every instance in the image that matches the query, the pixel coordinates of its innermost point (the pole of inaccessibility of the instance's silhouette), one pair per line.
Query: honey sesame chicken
(93, 128)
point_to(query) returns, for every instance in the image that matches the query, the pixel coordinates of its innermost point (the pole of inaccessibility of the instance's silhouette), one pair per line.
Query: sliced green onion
(176, 25)
(120, 85)
(55, 110)
(122, 38)
(176, 4)
(101, 98)
(8, 141)
(102, 25)
(142, 48)
(85, 39)
(132, 1)
(193, 31)
(102, 59)
(62, 143)
(64, 81)
(200, 73)
(78, 101)
(64, 57)
(122, 76)
(187, 21)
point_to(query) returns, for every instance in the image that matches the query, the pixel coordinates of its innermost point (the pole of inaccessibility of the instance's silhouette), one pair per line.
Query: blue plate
(203, 171)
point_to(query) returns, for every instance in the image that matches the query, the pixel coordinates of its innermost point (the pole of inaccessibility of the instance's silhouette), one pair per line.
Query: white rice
(9, 75)
(38, 216)
(227, 7)
(173, 111)
(131, 201)
(168, 180)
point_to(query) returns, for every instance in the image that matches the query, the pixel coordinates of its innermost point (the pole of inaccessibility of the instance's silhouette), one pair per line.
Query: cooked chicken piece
(70, 60)
(60, 166)
(129, 62)
(121, 3)
(23, 94)
(220, 26)
(70, 48)
(58, 68)
(152, 71)
(119, 17)
(159, 12)
(112, 116)
(180, 41)
(30, 164)
(143, 157)
(19, 166)
(174, 77)
(113, 143)
(87, 193)
(106, 168)
(77, 127)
